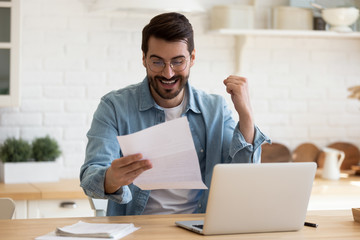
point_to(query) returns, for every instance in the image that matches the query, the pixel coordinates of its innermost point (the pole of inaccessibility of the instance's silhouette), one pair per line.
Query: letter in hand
(124, 170)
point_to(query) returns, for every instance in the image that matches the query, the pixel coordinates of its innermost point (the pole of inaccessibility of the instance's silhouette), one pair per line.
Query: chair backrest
(99, 206)
(7, 208)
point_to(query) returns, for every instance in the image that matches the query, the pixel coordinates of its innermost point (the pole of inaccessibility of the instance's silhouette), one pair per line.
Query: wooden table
(333, 224)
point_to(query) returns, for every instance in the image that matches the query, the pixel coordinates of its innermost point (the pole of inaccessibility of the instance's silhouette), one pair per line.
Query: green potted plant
(45, 149)
(15, 150)
(22, 162)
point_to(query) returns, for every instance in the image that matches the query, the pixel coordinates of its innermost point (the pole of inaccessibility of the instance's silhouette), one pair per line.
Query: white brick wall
(71, 57)
(306, 88)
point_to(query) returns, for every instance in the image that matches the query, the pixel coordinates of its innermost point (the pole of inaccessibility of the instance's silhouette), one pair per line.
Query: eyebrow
(156, 56)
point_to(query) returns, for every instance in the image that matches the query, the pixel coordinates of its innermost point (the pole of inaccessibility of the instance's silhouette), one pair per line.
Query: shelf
(286, 33)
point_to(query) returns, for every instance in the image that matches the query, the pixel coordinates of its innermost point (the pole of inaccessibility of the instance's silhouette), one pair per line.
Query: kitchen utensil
(305, 152)
(275, 152)
(318, 6)
(319, 23)
(232, 16)
(332, 163)
(340, 18)
(352, 155)
(355, 92)
(356, 169)
(356, 214)
(292, 18)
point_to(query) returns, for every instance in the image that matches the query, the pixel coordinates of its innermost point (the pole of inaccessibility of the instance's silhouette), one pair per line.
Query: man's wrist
(109, 186)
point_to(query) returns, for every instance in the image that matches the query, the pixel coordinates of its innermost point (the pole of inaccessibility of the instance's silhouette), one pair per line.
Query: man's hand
(237, 87)
(123, 171)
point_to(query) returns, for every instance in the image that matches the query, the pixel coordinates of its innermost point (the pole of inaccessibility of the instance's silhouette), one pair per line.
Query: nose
(168, 72)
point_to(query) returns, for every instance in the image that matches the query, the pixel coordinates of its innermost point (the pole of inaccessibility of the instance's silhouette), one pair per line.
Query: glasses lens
(178, 64)
(158, 65)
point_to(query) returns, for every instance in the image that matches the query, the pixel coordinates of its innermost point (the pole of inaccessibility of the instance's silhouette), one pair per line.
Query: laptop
(252, 198)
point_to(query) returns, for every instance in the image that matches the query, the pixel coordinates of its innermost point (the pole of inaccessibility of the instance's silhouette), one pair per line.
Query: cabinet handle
(69, 204)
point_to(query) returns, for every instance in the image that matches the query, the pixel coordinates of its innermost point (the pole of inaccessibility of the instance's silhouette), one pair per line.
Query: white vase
(24, 172)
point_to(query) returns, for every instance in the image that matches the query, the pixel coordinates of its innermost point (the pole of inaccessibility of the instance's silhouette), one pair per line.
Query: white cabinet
(20, 209)
(59, 208)
(64, 198)
(52, 208)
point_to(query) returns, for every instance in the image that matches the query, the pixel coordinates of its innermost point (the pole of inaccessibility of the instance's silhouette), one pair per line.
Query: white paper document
(170, 148)
(90, 231)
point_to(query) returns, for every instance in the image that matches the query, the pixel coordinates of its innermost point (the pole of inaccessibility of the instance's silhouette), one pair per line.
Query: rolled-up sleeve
(243, 152)
(101, 150)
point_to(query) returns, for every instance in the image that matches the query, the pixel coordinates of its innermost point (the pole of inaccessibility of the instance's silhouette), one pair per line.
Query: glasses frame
(168, 62)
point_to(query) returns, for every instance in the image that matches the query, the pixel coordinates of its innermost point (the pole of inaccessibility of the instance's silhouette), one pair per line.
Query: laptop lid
(268, 197)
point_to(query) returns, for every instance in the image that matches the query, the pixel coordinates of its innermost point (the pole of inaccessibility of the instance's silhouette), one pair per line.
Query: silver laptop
(250, 198)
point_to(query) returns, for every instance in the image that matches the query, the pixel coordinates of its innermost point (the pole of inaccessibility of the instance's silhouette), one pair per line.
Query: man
(165, 94)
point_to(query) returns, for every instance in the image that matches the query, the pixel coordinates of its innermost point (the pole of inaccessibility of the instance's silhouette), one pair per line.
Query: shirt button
(201, 150)
(199, 205)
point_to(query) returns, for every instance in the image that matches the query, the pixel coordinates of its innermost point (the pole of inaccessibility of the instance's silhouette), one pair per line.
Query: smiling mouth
(169, 82)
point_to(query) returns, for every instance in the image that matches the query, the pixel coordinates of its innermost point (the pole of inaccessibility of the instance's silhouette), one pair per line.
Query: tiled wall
(72, 56)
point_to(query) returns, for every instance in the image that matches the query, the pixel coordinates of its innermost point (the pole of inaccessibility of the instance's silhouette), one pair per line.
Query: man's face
(168, 67)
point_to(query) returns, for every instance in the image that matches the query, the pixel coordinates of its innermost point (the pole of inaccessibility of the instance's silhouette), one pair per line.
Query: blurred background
(66, 54)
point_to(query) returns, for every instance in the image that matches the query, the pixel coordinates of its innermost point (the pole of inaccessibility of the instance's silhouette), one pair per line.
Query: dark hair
(171, 27)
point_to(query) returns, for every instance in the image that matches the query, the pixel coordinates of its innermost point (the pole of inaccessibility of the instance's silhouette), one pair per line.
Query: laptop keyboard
(199, 226)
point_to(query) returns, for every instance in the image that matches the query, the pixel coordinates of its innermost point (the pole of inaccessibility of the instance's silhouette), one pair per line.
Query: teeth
(168, 82)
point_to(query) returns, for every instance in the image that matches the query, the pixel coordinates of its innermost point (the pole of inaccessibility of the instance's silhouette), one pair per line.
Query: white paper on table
(91, 231)
(170, 148)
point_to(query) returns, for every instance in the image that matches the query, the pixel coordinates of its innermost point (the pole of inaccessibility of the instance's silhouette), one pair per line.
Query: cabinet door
(59, 208)
(20, 209)
(9, 53)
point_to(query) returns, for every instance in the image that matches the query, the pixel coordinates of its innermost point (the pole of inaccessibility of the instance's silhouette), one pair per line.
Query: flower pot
(23, 172)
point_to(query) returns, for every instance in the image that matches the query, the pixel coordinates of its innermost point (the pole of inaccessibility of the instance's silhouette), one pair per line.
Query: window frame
(13, 98)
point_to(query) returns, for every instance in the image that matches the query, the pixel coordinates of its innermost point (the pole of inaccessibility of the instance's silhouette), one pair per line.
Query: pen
(309, 224)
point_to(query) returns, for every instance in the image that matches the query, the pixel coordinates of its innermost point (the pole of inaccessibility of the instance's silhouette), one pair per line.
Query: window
(9, 53)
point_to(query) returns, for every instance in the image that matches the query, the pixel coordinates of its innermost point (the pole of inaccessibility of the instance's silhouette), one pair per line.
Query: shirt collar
(146, 101)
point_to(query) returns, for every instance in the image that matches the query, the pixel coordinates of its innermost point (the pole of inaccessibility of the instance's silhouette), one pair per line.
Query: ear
(192, 58)
(144, 60)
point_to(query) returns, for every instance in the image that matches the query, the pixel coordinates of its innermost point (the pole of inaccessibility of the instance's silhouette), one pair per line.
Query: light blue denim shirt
(215, 134)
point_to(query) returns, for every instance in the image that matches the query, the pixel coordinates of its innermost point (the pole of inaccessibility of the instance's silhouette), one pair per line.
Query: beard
(155, 84)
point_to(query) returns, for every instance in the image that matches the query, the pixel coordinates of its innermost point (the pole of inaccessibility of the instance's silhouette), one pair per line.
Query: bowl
(340, 19)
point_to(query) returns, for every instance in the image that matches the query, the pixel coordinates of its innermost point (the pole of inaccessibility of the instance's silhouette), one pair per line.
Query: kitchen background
(72, 54)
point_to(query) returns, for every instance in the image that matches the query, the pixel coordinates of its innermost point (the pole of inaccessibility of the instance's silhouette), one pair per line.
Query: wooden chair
(99, 206)
(7, 208)
(275, 152)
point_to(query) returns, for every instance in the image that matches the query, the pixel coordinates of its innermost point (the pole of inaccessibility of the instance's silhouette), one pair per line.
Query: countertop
(63, 189)
(347, 187)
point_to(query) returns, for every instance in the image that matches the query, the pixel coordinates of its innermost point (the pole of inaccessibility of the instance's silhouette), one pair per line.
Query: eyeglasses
(177, 64)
